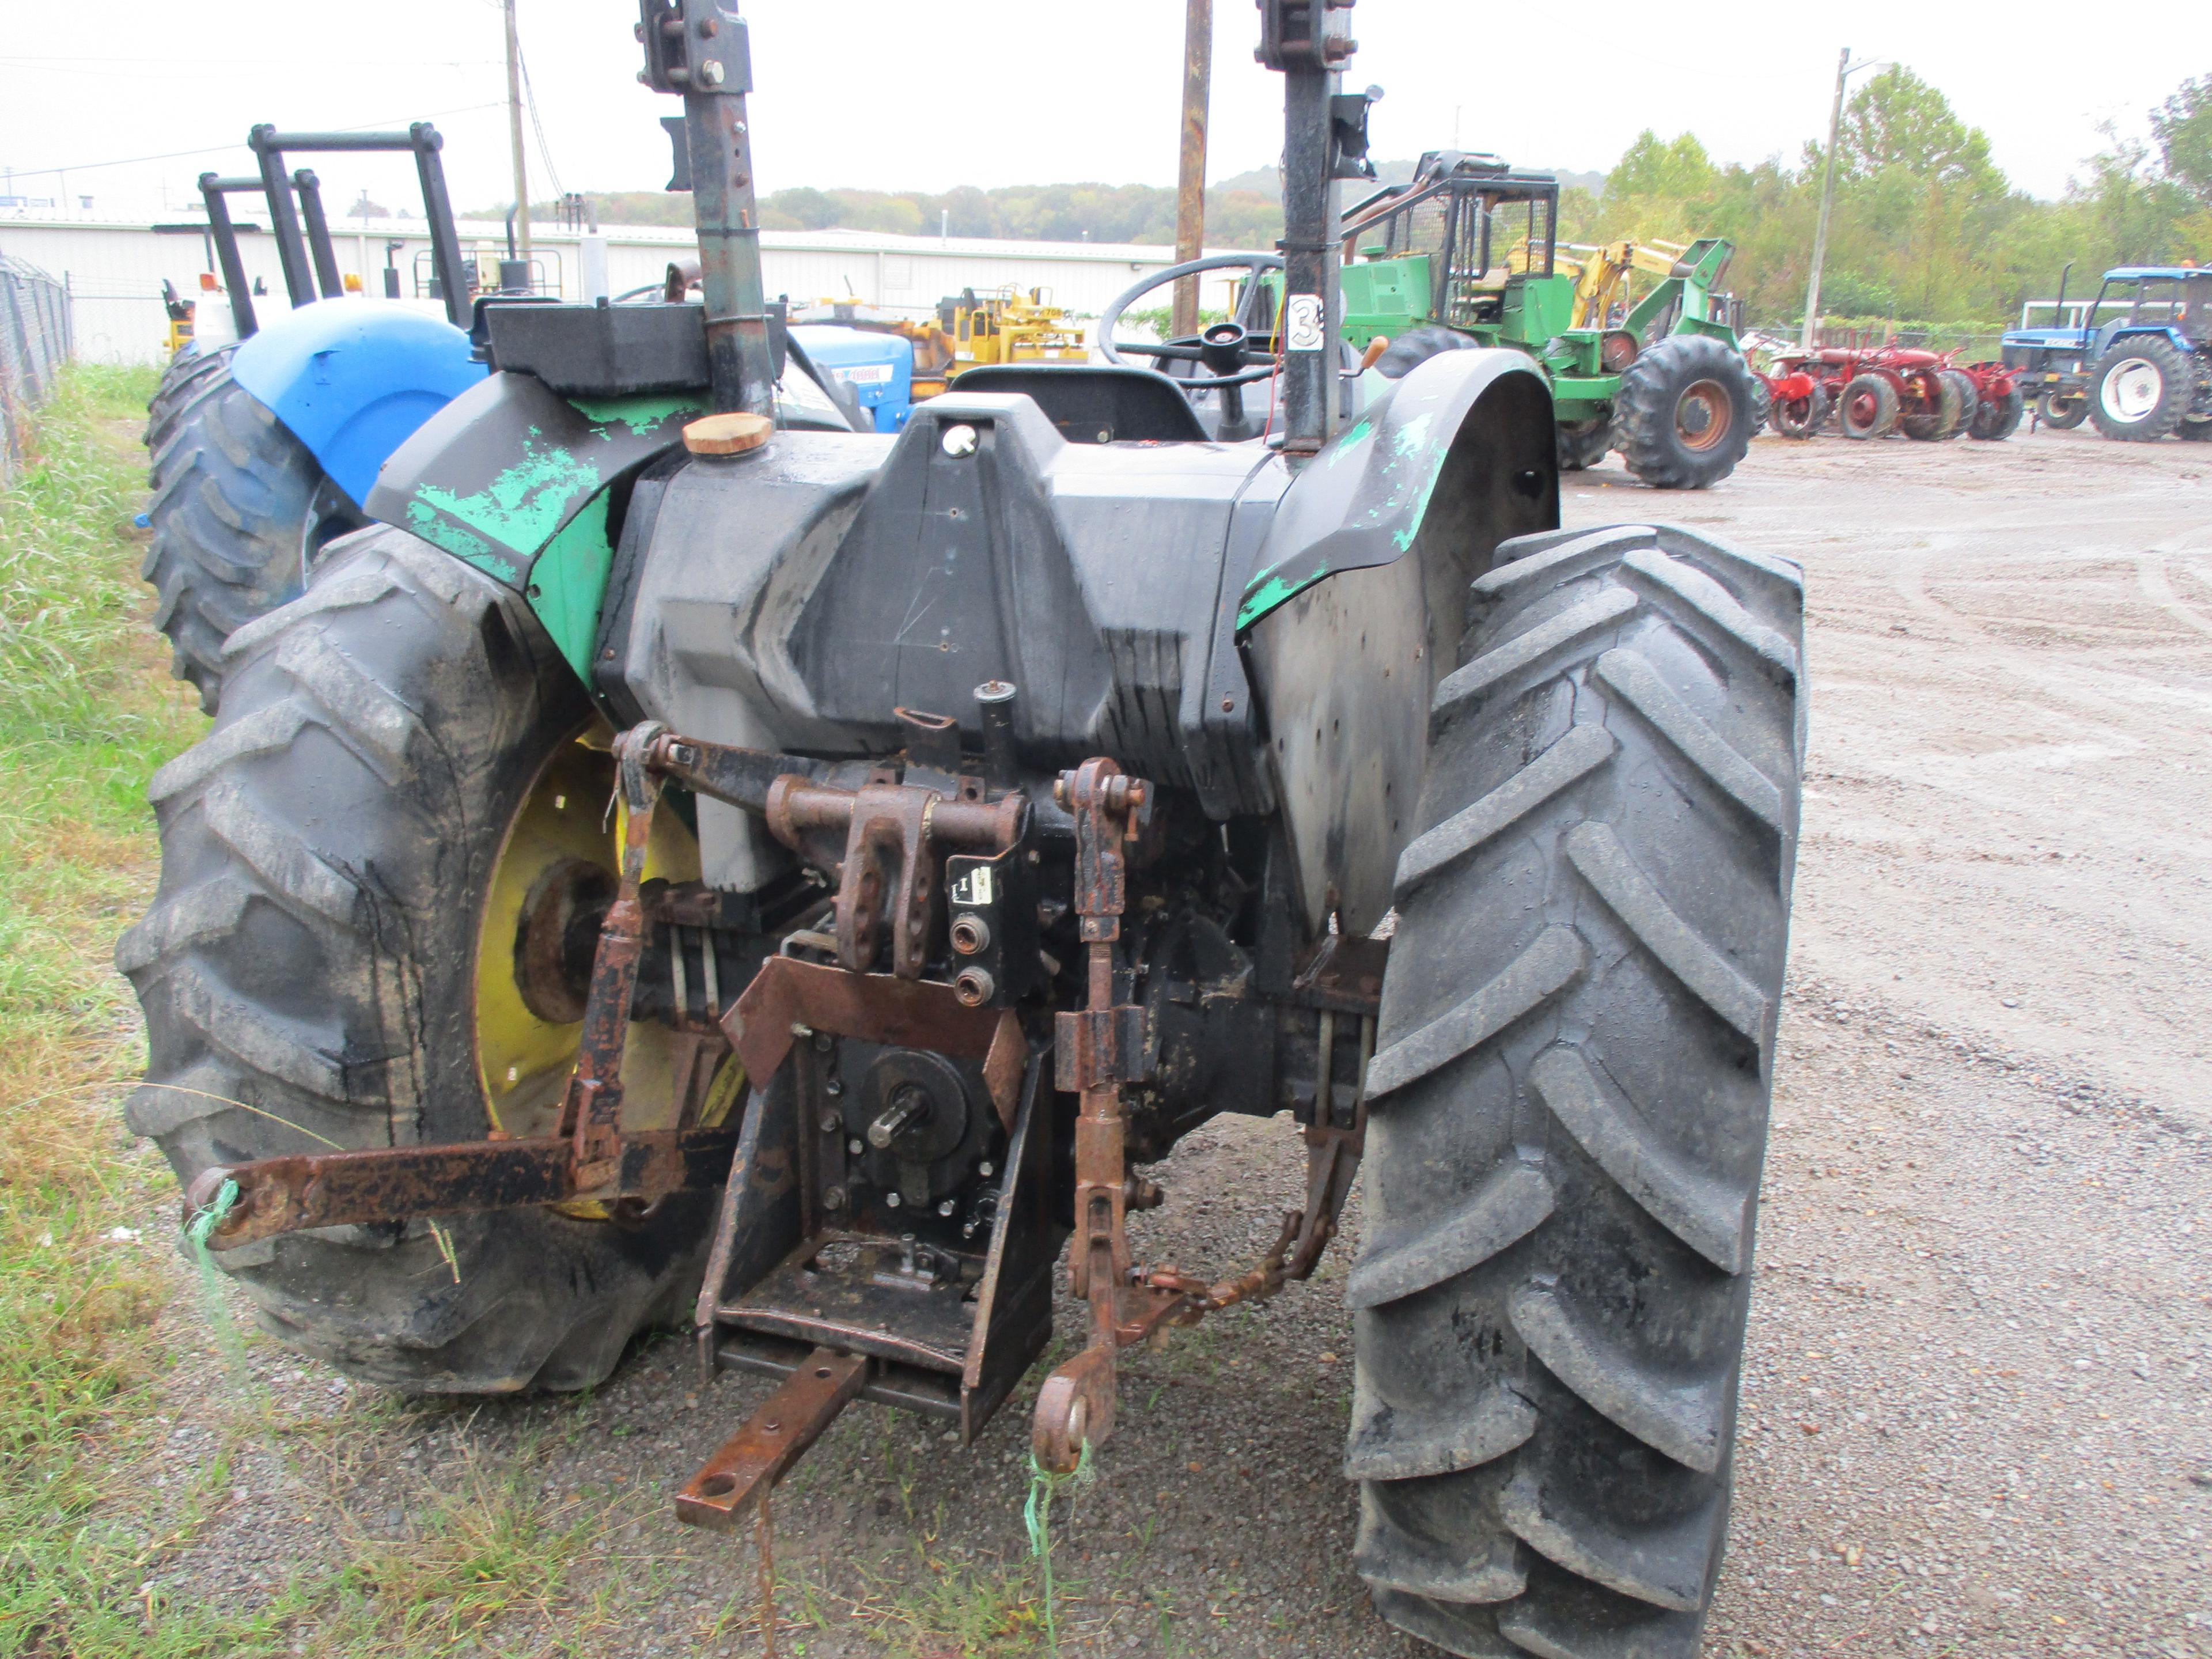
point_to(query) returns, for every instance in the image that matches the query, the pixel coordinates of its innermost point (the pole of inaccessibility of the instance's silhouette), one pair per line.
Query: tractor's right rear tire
(2062, 413)
(2140, 390)
(310, 968)
(1570, 1100)
(1684, 417)
(240, 510)
(1867, 407)
(1997, 418)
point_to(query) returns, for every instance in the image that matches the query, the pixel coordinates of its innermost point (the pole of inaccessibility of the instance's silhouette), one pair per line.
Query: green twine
(204, 1222)
(1036, 1514)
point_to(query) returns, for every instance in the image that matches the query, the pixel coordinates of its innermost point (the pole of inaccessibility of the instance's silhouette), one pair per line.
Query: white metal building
(115, 268)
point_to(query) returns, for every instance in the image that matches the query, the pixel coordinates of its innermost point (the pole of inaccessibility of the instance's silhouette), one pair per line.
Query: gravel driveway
(1974, 1416)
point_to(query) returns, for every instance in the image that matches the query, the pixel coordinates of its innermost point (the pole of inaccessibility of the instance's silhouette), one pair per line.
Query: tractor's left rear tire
(1570, 1098)
(1942, 420)
(1683, 420)
(321, 967)
(183, 377)
(240, 509)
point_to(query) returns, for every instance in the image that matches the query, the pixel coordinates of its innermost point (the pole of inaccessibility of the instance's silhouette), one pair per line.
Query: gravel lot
(1974, 1413)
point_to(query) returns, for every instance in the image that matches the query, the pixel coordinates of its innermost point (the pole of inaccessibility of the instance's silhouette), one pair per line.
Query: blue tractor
(264, 450)
(2141, 375)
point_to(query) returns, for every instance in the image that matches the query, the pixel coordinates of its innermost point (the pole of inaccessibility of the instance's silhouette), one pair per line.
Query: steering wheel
(1224, 350)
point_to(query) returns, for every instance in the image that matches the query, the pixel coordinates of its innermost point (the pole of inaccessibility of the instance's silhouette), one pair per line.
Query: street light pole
(1827, 196)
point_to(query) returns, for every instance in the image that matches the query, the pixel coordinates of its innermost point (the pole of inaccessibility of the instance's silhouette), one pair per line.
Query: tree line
(1926, 225)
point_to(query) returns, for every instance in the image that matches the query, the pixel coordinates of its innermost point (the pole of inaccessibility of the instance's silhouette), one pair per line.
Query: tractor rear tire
(1867, 407)
(1969, 401)
(2197, 430)
(1570, 1100)
(1996, 419)
(1802, 418)
(2064, 414)
(240, 509)
(309, 971)
(1762, 405)
(1683, 420)
(1943, 420)
(181, 379)
(2140, 389)
(1585, 444)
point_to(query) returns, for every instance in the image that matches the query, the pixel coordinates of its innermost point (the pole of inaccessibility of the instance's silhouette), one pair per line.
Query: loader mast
(699, 50)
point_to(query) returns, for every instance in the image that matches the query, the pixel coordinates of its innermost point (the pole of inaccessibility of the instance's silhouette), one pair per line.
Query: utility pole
(1845, 69)
(514, 134)
(1191, 178)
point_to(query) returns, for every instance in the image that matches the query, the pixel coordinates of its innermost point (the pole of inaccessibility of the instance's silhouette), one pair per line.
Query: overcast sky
(929, 94)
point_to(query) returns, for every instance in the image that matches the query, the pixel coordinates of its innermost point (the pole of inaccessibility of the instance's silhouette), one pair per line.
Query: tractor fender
(515, 479)
(353, 379)
(1360, 597)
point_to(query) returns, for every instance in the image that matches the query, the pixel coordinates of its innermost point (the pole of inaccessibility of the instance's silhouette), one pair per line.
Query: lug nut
(946, 1207)
(856, 1147)
(833, 1198)
(891, 1200)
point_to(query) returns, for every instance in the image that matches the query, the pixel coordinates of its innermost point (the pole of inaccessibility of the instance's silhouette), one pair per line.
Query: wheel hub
(2133, 390)
(1703, 414)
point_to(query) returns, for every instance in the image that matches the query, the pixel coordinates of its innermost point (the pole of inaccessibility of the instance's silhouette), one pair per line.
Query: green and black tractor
(1467, 255)
(692, 861)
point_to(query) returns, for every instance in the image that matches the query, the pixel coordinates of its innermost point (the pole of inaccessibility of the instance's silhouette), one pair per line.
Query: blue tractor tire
(240, 509)
(181, 380)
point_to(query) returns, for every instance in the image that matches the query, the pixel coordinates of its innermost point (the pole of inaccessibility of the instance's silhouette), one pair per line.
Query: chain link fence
(34, 344)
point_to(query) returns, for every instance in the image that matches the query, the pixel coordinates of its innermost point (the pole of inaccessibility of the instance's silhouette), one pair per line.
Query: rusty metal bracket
(1095, 1057)
(392, 1183)
(751, 1460)
(787, 994)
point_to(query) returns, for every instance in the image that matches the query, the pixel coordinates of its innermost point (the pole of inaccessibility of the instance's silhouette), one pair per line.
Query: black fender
(1357, 609)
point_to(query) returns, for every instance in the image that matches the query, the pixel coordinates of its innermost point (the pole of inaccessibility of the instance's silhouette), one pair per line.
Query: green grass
(90, 713)
(87, 717)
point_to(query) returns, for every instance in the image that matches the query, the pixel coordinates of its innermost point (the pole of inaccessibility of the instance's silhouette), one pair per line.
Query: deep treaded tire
(239, 506)
(310, 952)
(1570, 1099)
(186, 371)
(1762, 405)
(1684, 417)
(2140, 389)
(1997, 418)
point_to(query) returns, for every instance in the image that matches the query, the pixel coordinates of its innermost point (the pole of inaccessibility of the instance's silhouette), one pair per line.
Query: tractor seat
(1097, 403)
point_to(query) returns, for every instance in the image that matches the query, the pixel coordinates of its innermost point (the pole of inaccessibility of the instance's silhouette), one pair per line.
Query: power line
(530, 96)
(210, 149)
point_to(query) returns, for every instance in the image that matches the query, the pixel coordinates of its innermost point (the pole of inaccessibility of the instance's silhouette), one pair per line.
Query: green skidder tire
(1684, 417)
(1570, 1098)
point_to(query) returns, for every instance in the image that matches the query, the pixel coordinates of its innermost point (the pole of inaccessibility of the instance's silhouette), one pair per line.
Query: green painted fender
(515, 479)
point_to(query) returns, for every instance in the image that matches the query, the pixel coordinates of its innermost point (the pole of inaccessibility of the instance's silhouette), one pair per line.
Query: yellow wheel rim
(562, 839)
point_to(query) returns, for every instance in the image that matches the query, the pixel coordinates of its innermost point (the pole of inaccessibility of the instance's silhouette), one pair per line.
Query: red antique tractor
(1874, 392)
